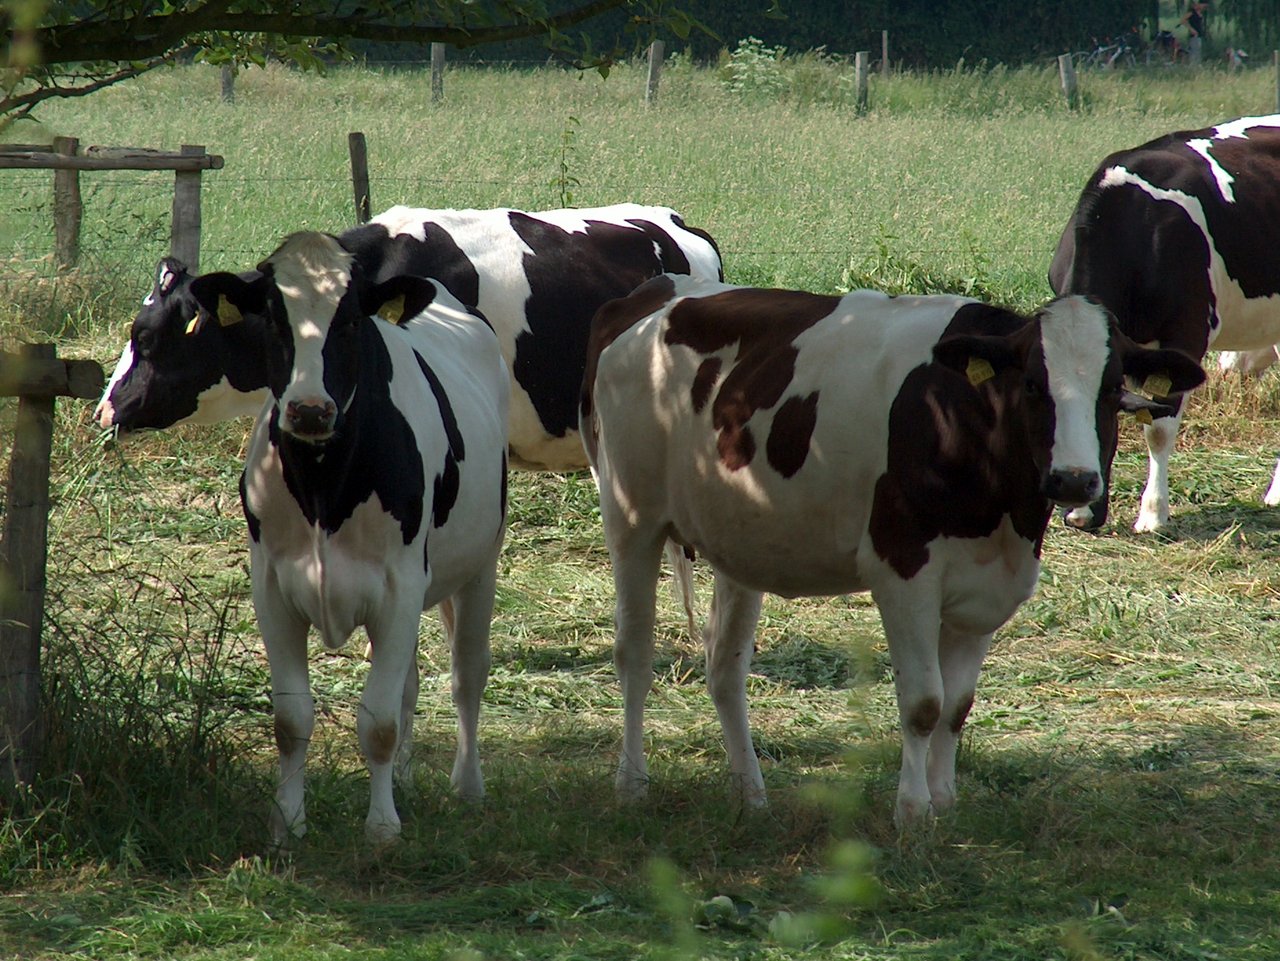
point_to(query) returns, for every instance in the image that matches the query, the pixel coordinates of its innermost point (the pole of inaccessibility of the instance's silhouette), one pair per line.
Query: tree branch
(123, 39)
(16, 106)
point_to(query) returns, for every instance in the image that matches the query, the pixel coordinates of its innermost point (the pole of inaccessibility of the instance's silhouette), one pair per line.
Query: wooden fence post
(36, 376)
(1275, 60)
(359, 151)
(437, 72)
(68, 210)
(1067, 71)
(884, 53)
(184, 242)
(22, 570)
(656, 50)
(228, 83)
(860, 60)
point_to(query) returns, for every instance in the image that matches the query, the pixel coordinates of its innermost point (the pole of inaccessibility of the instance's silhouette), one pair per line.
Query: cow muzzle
(1072, 487)
(312, 423)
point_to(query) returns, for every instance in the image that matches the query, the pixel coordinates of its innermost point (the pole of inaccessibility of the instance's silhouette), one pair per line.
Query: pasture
(1120, 776)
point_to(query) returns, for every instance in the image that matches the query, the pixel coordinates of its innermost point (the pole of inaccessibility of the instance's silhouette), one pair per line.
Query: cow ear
(1145, 408)
(169, 273)
(1161, 372)
(226, 298)
(399, 299)
(976, 356)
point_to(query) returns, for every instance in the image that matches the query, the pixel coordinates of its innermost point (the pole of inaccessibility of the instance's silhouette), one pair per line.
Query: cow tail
(682, 585)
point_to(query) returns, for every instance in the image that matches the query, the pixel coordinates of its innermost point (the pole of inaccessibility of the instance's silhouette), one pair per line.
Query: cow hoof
(1149, 523)
(631, 789)
(382, 834)
(912, 814)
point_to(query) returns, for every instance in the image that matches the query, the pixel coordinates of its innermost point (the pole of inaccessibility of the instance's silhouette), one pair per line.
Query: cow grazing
(537, 277)
(1180, 239)
(813, 445)
(374, 487)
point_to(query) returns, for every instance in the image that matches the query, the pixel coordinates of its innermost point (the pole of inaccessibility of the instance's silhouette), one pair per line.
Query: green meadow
(1120, 776)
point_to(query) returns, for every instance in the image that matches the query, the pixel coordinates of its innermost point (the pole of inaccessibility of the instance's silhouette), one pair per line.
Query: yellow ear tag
(191, 324)
(393, 310)
(1143, 416)
(228, 313)
(1157, 385)
(979, 370)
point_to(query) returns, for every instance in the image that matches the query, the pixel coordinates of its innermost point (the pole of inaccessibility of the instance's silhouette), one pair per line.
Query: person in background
(1194, 19)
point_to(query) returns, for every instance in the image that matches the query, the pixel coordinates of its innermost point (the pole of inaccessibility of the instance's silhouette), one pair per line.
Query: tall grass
(1119, 780)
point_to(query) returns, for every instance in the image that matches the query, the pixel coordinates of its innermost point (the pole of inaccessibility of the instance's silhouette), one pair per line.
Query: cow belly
(1246, 323)
(792, 553)
(532, 448)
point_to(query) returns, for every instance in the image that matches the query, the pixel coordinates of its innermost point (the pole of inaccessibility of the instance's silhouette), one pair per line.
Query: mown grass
(1120, 783)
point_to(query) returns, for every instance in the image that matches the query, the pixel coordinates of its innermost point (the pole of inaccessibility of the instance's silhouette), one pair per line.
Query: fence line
(66, 161)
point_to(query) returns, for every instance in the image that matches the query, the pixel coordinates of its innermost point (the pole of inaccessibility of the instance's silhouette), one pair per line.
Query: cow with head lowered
(1180, 239)
(537, 277)
(809, 445)
(374, 487)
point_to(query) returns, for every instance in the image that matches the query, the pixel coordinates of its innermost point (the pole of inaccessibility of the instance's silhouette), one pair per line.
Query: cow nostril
(311, 419)
(1073, 487)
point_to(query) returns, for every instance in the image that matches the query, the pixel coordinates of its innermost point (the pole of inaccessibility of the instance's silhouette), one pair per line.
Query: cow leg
(394, 639)
(284, 635)
(909, 611)
(469, 647)
(960, 657)
(1272, 497)
(403, 770)
(1161, 435)
(636, 558)
(730, 641)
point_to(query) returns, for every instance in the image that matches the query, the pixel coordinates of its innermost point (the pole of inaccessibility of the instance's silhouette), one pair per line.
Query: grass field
(1120, 778)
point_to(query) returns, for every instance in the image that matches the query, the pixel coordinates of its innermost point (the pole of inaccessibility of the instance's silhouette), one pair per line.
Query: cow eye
(146, 340)
(1032, 387)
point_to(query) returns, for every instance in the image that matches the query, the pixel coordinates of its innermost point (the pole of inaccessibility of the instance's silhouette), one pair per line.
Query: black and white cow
(538, 277)
(1180, 239)
(812, 445)
(374, 487)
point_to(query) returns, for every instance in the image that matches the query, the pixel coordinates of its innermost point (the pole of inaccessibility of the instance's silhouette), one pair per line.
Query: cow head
(1065, 375)
(165, 374)
(317, 304)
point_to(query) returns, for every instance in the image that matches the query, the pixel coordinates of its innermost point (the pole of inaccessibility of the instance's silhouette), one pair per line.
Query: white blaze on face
(312, 273)
(1075, 338)
(105, 412)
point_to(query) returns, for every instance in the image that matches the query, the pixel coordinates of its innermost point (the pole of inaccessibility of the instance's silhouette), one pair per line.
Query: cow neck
(1028, 509)
(244, 347)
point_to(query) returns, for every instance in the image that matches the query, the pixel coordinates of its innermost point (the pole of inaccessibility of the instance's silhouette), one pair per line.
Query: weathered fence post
(1275, 60)
(860, 60)
(884, 53)
(22, 567)
(359, 151)
(1067, 72)
(228, 83)
(36, 376)
(656, 50)
(184, 243)
(437, 72)
(68, 210)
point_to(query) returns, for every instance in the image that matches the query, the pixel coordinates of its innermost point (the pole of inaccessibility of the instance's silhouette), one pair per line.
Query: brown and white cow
(814, 445)
(1180, 239)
